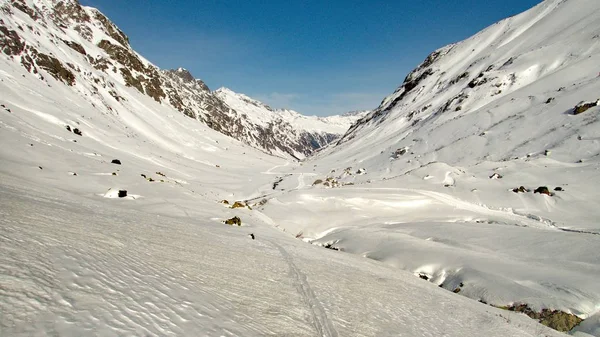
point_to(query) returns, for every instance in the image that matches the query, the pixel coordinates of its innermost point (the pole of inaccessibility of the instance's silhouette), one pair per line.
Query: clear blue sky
(315, 56)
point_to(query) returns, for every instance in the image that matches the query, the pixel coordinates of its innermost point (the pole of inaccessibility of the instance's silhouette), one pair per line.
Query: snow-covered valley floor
(77, 261)
(86, 265)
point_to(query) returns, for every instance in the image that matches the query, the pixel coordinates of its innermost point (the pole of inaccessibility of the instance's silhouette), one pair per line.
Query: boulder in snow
(495, 176)
(234, 221)
(543, 190)
(584, 106)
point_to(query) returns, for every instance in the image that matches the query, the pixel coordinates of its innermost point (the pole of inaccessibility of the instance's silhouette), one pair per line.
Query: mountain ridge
(102, 56)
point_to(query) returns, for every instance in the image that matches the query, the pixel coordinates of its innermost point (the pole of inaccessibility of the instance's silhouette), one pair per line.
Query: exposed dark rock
(584, 106)
(234, 221)
(84, 31)
(69, 128)
(521, 189)
(555, 319)
(22, 6)
(122, 55)
(276, 183)
(77, 132)
(543, 190)
(131, 81)
(238, 204)
(100, 63)
(423, 276)
(10, 42)
(558, 189)
(53, 66)
(330, 245)
(112, 30)
(75, 46)
(550, 100)
(477, 82)
(69, 11)
(459, 78)
(496, 176)
(399, 152)
(122, 193)
(317, 182)
(251, 235)
(116, 161)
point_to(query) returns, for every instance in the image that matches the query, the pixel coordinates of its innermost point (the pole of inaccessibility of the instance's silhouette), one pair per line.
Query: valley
(136, 201)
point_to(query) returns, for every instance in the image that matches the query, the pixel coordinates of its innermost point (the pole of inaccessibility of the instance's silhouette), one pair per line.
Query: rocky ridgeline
(26, 27)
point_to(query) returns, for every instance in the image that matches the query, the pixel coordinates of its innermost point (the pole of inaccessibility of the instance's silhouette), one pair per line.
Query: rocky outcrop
(235, 221)
(584, 106)
(555, 319)
(10, 42)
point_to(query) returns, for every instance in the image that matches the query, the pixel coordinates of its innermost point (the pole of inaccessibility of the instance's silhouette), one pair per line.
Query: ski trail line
(270, 171)
(319, 318)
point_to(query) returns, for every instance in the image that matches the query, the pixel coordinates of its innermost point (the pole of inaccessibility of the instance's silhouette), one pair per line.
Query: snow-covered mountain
(83, 49)
(288, 131)
(481, 172)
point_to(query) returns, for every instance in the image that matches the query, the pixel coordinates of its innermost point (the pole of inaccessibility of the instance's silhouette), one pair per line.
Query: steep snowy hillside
(479, 173)
(82, 49)
(295, 134)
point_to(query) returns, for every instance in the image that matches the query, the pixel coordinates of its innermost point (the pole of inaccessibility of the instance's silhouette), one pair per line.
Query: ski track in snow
(270, 171)
(319, 318)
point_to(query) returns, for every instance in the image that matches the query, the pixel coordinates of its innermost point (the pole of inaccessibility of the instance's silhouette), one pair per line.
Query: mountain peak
(225, 93)
(184, 74)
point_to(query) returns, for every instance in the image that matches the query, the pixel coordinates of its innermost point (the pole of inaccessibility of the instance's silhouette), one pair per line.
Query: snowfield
(163, 263)
(112, 205)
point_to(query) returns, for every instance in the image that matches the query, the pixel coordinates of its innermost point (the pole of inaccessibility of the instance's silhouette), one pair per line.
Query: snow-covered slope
(85, 51)
(425, 182)
(297, 134)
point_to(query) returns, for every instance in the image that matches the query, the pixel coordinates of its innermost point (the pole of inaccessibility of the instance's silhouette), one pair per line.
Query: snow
(435, 210)
(262, 114)
(75, 260)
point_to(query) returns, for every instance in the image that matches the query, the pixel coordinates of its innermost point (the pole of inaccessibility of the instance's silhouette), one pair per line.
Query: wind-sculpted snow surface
(83, 265)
